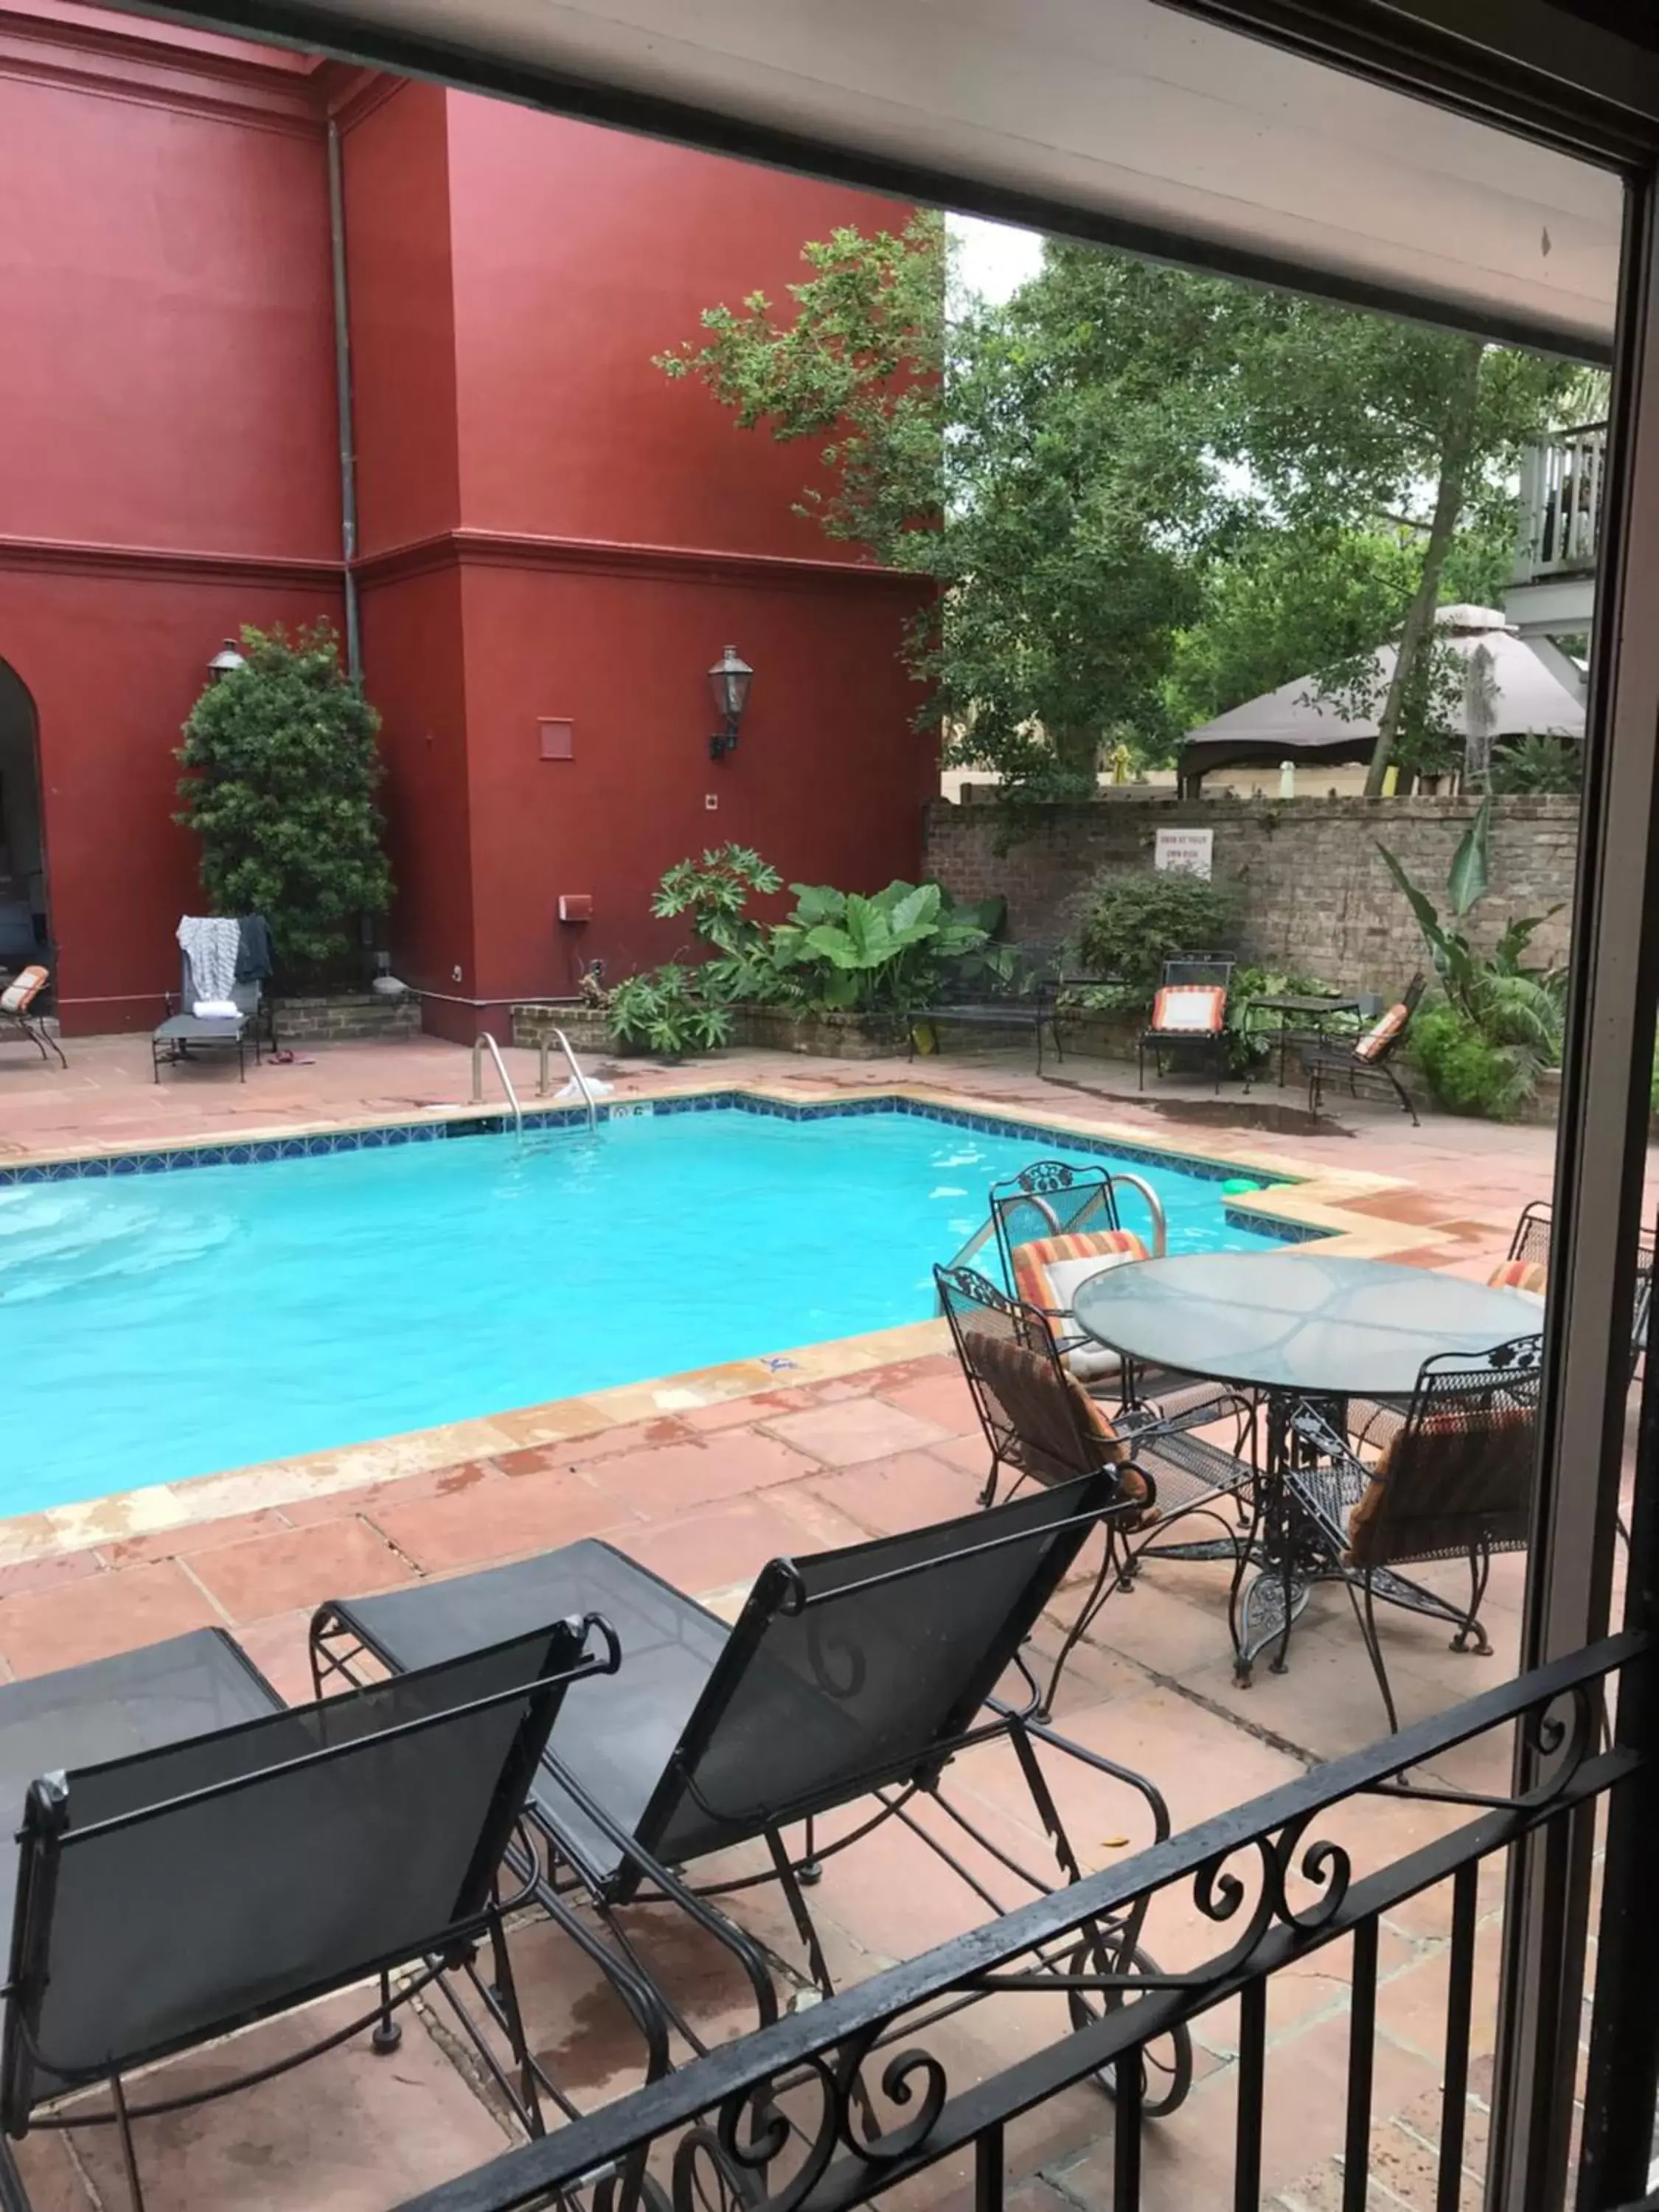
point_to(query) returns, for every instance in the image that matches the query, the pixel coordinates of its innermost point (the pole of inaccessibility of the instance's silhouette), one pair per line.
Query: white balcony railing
(1561, 504)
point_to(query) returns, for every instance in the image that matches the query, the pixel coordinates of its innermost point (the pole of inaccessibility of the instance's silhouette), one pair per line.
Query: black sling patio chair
(1047, 1429)
(849, 1676)
(196, 1856)
(1454, 1482)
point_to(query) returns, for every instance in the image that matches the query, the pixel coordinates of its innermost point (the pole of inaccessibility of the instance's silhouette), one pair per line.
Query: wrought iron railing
(835, 2105)
(1561, 504)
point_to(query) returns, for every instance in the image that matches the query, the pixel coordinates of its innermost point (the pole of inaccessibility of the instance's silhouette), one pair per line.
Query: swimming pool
(155, 1325)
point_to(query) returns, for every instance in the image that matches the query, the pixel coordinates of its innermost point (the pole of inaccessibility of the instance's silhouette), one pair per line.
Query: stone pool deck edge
(1316, 1198)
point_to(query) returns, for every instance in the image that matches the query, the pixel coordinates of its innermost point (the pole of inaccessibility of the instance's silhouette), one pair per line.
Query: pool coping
(1303, 1200)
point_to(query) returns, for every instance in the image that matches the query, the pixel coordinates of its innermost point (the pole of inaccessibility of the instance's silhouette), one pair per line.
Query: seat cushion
(1049, 1269)
(25, 987)
(1189, 1010)
(1532, 1276)
(200, 1029)
(143, 1700)
(1383, 1032)
(615, 1733)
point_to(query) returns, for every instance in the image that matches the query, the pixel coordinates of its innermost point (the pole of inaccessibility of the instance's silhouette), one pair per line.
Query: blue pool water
(165, 1325)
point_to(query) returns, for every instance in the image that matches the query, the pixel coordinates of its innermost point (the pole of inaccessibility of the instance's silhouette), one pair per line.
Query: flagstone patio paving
(705, 1497)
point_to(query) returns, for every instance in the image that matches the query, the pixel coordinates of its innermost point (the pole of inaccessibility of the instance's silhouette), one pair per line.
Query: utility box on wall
(576, 906)
(558, 740)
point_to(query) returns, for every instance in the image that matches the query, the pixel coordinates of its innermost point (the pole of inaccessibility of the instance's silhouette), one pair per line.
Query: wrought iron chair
(1056, 1225)
(1454, 1482)
(1525, 1267)
(213, 1858)
(18, 1014)
(1189, 1014)
(1368, 1060)
(1054, 1429)
(823, 1694)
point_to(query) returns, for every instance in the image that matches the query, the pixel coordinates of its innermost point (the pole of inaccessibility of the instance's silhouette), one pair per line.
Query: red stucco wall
(600, 507)
(547, 526)
(166, 447)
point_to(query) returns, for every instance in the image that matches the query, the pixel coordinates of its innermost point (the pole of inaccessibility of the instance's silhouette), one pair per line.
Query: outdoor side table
(1311, 1013)
(1286, 1325)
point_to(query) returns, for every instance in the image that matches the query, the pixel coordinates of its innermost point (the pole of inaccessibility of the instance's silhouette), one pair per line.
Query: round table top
(1275, 1320)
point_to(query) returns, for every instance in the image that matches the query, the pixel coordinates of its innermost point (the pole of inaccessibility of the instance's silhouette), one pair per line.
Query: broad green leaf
(1428, 918)
(815, 902)
(1471, 867)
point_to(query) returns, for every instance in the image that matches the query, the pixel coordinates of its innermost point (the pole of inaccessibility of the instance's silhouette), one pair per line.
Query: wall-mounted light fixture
(729, 680)
(225, 662)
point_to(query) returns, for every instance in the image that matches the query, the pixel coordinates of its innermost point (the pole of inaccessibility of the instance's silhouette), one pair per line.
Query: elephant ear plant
(891, 953)
(1497, 1025)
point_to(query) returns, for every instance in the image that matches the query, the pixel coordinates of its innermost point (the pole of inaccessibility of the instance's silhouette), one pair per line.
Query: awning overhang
(1139, 123)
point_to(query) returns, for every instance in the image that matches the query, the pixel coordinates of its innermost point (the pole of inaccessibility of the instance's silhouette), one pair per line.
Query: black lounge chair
(851, 1674)
(185, 1032)
(195, 1857)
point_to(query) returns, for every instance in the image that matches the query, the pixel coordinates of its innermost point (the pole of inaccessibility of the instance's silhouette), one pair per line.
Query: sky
(991, 258)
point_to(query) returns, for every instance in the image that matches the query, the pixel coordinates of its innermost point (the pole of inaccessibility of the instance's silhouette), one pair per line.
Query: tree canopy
(1144, 495)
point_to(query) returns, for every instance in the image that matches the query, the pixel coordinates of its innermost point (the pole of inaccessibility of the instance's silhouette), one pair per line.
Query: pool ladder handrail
(576, 1075)
(986, 1229)
(479, 1042)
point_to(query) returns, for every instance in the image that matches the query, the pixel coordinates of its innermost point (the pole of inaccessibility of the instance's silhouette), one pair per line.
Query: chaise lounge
(195, 1857)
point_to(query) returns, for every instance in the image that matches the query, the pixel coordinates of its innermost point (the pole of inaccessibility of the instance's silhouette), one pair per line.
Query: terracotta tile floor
(705, 1499)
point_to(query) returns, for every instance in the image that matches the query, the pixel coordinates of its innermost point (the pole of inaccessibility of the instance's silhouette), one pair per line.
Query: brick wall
(356, 1017)
(1314, 893)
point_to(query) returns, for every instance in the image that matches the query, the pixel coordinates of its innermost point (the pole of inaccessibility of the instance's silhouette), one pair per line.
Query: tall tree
(1073, 468)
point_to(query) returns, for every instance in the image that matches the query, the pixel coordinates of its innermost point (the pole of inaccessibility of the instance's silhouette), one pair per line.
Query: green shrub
(1248, 1049)
(1538, 764)
(282, 775)
(666, 1010)
(1131, 924)
(1505, 1018)
(1466, 1072)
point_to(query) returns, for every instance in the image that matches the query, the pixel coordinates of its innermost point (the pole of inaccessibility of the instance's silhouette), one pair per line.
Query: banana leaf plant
(1514, 1007)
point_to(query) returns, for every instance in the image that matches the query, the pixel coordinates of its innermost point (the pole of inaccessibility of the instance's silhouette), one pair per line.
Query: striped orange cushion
(1520, 1275)
(1032, 1261)
(24, 987)
(1190, 1009)
(1381, 1032)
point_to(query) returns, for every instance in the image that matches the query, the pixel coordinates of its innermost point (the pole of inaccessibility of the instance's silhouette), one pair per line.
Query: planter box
(585, 1026)
(347, 1017)
(823, 1037)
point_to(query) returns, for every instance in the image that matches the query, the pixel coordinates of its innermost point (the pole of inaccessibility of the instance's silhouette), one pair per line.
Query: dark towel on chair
(252, 949)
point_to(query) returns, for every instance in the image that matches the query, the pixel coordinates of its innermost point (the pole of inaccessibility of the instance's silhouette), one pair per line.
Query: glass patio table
(1285, 1326)
(1313, 1012)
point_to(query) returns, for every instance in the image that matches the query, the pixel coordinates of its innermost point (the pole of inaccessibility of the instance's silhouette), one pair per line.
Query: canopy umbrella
(1510, 689)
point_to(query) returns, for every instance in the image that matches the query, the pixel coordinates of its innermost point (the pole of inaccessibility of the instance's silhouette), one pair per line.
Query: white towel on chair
(216, 1009)
(210, 944)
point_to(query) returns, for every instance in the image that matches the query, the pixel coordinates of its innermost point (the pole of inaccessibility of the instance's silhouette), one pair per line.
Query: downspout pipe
(342, 396)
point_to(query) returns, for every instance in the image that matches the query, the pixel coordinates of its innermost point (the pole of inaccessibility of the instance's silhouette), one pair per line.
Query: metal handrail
(479, 1042)
(1154, 1206)
(576, 1075)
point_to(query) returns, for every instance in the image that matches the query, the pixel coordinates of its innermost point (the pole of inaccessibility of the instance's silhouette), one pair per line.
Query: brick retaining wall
(355, 1017)
(1314, 893)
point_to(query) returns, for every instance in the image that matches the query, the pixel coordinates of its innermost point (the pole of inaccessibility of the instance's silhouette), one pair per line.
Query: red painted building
(548, 531)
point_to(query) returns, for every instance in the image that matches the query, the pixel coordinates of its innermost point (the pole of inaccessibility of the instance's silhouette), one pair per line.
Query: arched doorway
(24, 919)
